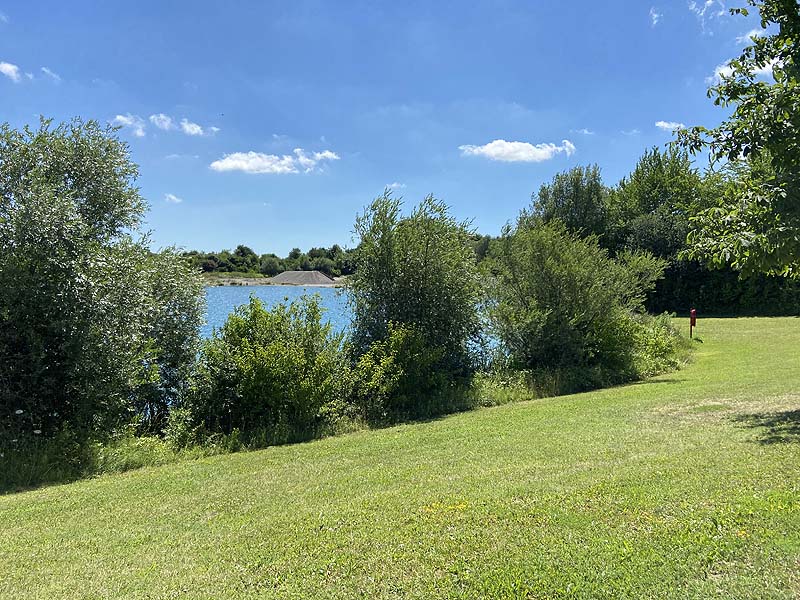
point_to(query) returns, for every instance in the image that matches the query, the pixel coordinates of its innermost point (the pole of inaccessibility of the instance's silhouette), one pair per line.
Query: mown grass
(683, 486)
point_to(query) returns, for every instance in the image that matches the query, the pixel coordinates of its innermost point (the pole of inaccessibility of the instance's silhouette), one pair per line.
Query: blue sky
(273, 124)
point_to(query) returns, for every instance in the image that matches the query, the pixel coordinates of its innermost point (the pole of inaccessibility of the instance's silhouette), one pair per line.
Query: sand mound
(302, 278)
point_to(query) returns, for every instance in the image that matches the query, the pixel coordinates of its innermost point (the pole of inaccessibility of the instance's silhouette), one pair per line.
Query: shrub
(414, 293)
(558, 302)
(398, 379)
(658, 346)
(270, 374)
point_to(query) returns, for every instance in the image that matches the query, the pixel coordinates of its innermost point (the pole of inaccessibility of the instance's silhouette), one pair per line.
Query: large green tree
(95, 329)
(756, 227)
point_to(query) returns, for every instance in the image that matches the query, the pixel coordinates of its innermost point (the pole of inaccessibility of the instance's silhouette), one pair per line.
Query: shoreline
(247, 281)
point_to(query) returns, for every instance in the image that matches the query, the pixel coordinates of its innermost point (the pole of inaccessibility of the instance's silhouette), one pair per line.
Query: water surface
(221, 301)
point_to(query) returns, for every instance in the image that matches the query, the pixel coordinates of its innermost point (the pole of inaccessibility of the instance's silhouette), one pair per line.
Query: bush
(273, 375)
(95, 328)
(658, 346)
(415, 295)
(560, 304)
(398, 379)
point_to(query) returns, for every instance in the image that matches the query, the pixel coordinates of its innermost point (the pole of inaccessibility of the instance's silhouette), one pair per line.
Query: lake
(223, 299)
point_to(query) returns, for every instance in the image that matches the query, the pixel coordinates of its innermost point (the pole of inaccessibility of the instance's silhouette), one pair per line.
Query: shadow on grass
(655, 381)
(776, 427)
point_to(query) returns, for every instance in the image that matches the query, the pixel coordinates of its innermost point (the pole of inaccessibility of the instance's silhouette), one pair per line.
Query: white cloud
(3, 18)
(517, 151)
(10, 71)
(162, 121)
(133, 122)
(705, 11)
(655, 16)
(767, 68)
(214, 130)
(670, 125)
(177, 156)
(720, 72)
(583, 131)
(747, 38)
(724, 71)
(190, 128)
(395, 185)
(52, 74)
(172, 198)
(630, 132)
(258, 162)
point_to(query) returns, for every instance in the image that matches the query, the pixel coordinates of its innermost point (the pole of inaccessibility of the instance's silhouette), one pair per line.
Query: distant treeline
(333, 261)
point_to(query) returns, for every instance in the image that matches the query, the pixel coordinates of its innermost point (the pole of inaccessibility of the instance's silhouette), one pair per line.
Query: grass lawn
(686, 486)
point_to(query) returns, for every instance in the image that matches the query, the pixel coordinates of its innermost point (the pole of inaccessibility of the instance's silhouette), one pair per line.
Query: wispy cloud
(747, 38)
(518, 151)
(583, 131)
(630, 132)
(190, 128)
(133, 122)
(51, 74)
(655, 16)
(10, 71)
(3, 18)
(706, 11)
(179, 156)
(162, 121)
(260, 163)
(670, 125)
(395, 185)
(172, 199)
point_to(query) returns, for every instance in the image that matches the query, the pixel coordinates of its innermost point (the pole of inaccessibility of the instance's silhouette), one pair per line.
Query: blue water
(223, 299)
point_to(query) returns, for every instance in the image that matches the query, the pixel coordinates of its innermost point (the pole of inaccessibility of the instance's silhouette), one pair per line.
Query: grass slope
(685, 486)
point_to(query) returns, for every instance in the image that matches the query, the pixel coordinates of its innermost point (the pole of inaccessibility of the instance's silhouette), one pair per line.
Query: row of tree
(333, 261)
(651, 210)
(98, 334)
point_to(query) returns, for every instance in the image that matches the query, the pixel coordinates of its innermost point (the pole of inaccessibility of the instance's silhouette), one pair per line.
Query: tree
(650, 205)
(577, 198)
(417, 274)
(95, 329)
(757, 228)
(270, 265)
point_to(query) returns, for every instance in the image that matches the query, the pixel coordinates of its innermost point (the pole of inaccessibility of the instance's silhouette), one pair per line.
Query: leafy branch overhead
(755, 227)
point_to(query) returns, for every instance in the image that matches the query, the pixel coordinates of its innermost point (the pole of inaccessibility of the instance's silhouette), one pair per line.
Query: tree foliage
(419, 273)
(559, 301)
(577, 198)
(95, 329)
(270, 374)
(757, 227)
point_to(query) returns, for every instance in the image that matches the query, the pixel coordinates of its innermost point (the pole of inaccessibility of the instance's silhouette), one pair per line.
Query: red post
(692, 321)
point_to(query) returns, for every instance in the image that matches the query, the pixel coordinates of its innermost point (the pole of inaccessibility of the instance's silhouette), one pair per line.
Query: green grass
(686, 486)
